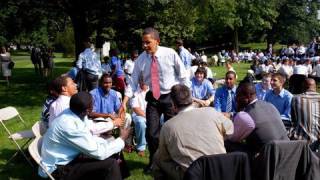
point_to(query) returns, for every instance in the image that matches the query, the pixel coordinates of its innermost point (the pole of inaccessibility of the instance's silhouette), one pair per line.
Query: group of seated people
(78, 143)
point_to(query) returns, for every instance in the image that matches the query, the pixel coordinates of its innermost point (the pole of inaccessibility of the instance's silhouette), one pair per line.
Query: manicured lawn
(27, 92)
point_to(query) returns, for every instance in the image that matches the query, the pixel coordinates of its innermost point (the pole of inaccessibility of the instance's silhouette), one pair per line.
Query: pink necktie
(155, 82)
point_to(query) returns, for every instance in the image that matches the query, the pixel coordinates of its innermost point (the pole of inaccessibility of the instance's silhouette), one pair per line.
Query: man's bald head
(310, 85)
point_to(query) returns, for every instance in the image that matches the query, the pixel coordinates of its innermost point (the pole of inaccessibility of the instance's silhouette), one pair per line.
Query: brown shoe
(141, 153)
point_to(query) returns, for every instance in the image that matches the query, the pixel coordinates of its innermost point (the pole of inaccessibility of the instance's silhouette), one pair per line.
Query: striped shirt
(306, 116)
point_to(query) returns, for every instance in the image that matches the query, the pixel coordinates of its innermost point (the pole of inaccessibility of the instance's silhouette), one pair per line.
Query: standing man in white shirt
(161, 68)
(65, 88)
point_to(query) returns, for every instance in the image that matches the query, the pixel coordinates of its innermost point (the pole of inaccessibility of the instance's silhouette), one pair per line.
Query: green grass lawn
(27, 93)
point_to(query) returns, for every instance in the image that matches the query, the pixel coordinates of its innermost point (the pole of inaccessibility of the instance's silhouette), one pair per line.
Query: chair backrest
(36, 129)
(8, 113)
(231, 166)
(39, 128)
(34, 150)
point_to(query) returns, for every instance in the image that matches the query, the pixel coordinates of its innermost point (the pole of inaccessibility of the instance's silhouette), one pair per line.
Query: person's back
(189, 137)
(268, 124)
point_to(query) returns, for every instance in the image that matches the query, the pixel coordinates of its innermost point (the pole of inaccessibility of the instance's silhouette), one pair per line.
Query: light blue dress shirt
(220, 99)
(261, 93)
(282, 102)
(185, 56)
(202, 90)
(116, 64)
(89, 61)
(69, 136)
(105, 103)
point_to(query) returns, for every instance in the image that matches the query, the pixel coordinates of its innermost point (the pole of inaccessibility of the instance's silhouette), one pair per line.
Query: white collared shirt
(170, 67)
(61, 104)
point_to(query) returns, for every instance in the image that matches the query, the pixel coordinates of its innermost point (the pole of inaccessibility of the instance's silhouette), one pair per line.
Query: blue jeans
(140, 130)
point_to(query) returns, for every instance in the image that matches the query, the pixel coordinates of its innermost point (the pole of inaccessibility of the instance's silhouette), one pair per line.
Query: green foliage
(65, 42)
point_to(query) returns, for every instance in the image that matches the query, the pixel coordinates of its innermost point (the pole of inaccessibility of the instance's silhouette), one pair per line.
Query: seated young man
(224, 98)
(139, 105)
(106, 102)
(201, 88)
(280, 98)
(65, 87)
(71, 151)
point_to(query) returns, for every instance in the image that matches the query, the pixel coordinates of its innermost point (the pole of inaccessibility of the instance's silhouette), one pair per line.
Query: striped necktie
(155, 82)
(229, 102)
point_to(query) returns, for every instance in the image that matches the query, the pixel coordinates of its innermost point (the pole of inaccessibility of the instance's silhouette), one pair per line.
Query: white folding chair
(7, 114)
(35, 151)
(38, 129)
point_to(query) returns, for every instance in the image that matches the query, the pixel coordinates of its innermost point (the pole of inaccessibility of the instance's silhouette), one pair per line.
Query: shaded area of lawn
(27, 92)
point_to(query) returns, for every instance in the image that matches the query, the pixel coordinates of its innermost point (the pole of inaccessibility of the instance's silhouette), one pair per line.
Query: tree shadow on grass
(18, 168)
(26, 88)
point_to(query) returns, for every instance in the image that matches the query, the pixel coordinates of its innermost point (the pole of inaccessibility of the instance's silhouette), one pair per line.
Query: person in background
(201, 88)
(5, 59)
(106, 69)
(224, 98)
(184, 54)
(129, 65)
(88, 61)
(280, 98)
(117, 72)
(264, 86)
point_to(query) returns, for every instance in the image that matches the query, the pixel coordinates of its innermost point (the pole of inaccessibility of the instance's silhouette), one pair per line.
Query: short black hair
(59, 82)
(179, 42)
(106, 75)
(181, 95)
(248, 87)
(80, 102)
(151, 31)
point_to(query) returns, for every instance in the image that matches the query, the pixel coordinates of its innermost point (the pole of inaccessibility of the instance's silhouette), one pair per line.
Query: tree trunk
(81, 30)
(236, 40)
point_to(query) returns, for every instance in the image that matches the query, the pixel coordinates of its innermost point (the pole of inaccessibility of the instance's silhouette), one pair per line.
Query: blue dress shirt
(261, 93)
(201, 90)
(105, 103)
(116, 64)
(89, 61)
(282, 102)
(69, 136)
(220, 99)
(186, 57)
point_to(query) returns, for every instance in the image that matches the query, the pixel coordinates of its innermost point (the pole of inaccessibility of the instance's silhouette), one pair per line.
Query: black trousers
(91, 81)
(88, 168)
(155, 108)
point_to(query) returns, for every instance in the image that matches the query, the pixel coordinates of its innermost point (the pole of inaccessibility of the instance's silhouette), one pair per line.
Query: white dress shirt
(170, 67)
(62, 103)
